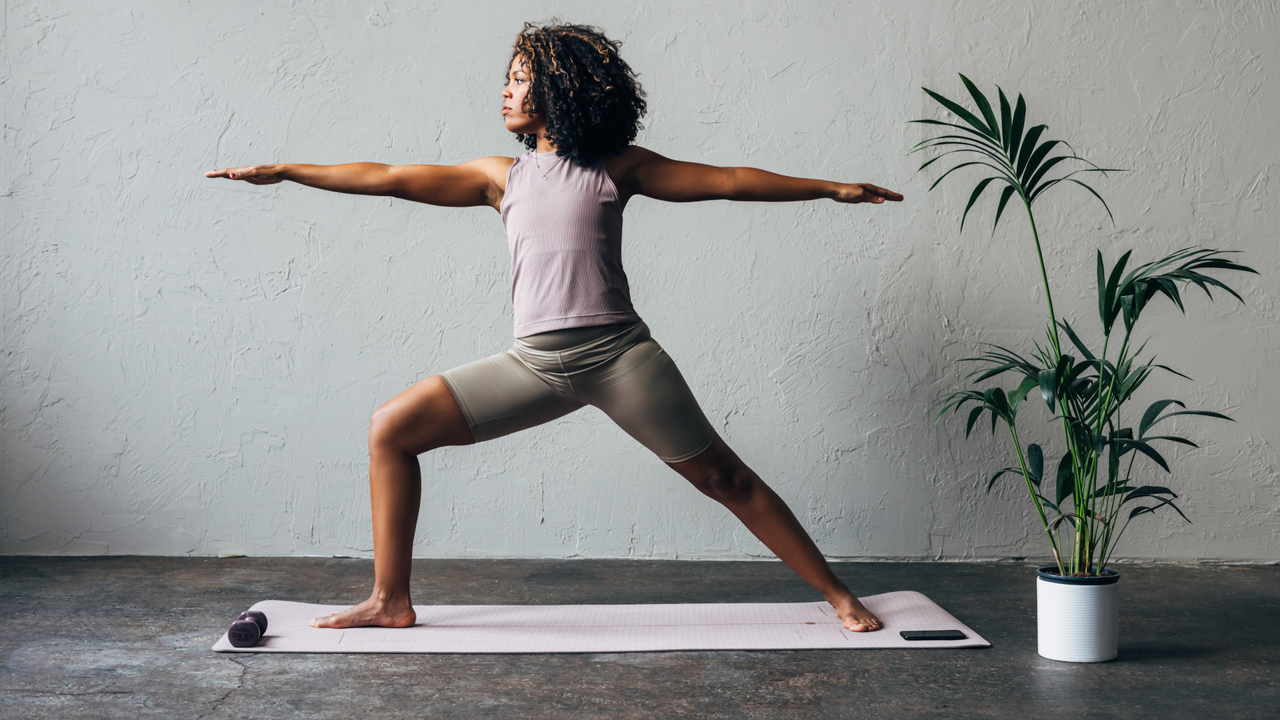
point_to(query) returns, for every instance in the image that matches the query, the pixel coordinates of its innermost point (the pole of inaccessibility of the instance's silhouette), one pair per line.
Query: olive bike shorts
(617, 368)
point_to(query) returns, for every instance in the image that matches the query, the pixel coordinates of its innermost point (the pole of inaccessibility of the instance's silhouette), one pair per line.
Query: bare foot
(855, 615)
(370, 612)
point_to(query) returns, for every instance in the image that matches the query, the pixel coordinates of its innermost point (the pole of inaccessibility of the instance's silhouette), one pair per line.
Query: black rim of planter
(1049, 573)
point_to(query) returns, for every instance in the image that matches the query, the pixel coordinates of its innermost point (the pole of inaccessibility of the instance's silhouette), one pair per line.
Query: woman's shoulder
(495, 162)
(623, 166)
(496, 168)
(632, 155)
(626, 162)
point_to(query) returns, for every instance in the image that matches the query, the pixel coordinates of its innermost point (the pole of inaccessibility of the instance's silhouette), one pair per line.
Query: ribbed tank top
(565, 236)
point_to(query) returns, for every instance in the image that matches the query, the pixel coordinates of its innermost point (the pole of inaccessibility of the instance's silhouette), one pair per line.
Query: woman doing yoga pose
(576, 106)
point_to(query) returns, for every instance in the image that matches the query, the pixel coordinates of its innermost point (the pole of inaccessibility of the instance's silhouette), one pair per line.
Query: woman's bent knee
(726, 483)
(386, 429)
(718, 473)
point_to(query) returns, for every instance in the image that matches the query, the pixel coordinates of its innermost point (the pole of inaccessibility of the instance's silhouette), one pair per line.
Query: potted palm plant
(1086, 500)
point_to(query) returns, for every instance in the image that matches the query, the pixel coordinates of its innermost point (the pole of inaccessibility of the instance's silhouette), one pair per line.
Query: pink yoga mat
(610, 628)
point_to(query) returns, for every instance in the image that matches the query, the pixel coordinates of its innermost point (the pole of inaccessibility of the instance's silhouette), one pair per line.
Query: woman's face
(513, 95)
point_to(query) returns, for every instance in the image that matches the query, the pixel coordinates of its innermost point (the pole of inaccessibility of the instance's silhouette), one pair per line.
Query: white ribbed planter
(1078, 617)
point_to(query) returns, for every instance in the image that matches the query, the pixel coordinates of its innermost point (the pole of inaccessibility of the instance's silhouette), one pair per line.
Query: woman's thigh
(499, 395)
(643, 391)
(422, 418)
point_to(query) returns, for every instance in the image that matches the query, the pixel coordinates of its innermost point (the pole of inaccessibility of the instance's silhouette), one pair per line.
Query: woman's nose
(506, 93)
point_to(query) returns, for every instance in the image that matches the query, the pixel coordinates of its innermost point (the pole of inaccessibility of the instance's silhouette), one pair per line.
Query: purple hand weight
(258, 617)
(243, 633)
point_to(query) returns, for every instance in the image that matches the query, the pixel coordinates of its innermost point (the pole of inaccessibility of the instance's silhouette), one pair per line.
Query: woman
(576, 106)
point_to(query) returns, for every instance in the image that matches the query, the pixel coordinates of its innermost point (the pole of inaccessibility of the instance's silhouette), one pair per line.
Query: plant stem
(1116, 502)
(1057, 356)
(1044, 275)
(1035, 498)
(1104, 410)
(1080, 551)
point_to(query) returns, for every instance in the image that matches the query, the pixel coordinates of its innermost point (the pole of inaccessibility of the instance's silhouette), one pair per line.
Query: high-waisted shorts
(617, 368)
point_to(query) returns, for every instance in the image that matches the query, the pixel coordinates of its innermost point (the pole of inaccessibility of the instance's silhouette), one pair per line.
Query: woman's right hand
(256, 174)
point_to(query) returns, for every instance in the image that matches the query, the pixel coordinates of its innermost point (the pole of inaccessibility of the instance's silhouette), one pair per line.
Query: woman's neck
(544, 145)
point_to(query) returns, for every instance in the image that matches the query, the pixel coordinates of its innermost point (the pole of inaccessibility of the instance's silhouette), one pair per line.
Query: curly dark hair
(589, 96)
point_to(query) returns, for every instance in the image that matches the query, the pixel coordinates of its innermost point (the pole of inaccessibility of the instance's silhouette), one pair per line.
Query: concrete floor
(128, 637)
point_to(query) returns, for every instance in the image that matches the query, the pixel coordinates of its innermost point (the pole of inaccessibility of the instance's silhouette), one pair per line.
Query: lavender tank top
(565, 236)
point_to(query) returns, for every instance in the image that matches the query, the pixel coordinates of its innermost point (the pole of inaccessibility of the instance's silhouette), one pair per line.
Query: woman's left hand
(865, 193)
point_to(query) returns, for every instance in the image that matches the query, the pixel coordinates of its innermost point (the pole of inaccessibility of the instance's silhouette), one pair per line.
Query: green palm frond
(1125, 296)
(1004, 144)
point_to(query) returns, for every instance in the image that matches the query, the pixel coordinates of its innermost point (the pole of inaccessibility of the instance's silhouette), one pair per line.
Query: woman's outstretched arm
(643, 172)
(479, 182)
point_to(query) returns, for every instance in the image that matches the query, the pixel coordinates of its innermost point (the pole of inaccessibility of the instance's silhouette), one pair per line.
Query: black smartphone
(932, 635)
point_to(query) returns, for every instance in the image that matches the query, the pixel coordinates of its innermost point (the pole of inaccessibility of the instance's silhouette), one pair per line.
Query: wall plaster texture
(189, 365)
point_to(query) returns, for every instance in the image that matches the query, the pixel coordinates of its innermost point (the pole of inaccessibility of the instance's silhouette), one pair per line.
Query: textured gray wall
(189, 365)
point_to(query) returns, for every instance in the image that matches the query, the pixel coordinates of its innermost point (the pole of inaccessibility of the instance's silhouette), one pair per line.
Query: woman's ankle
(390, 597)
(837, 591)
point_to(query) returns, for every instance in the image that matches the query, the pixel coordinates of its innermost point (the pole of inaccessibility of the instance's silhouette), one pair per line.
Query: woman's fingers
(255, 174)
(241, 173)
(879, 194)
(868, 193)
